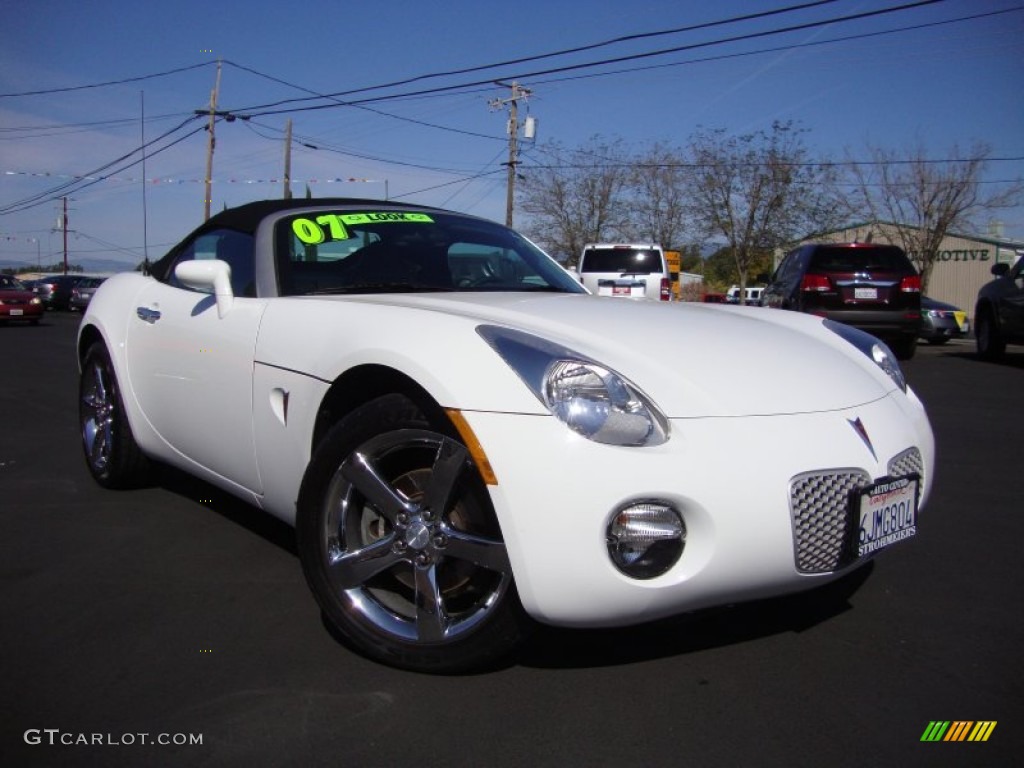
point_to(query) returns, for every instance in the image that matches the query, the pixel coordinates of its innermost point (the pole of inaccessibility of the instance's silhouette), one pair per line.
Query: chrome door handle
(147, 314)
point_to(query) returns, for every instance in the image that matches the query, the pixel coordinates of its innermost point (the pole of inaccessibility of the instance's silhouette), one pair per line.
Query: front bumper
(731, 479)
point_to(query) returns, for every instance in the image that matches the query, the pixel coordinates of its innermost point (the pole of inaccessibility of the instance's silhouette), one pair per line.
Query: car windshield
(405, 251)
(620, 259)
(9, 283)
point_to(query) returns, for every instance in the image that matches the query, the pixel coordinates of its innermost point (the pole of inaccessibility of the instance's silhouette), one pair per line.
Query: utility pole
(288, 160)
(145, 215)
(518, 92)
(210, 144)
(64, 226)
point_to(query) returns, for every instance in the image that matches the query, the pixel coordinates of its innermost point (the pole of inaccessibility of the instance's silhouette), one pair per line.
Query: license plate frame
(622, 288)
(886, 512)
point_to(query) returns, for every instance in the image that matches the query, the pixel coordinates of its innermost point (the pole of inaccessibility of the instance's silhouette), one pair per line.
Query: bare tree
(757, 191)
(658, 200)
(576, 196)
(924, 200)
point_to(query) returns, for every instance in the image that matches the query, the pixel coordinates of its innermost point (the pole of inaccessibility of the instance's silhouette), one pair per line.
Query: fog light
(645, 539)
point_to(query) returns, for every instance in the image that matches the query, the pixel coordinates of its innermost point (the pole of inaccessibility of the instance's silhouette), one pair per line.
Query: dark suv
(999, 313)
(871, 287)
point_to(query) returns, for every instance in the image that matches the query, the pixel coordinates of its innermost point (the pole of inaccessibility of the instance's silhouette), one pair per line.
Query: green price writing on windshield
(312, 232)
(332, 225)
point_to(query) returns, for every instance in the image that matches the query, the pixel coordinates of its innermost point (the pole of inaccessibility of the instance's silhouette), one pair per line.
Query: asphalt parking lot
(174, 612)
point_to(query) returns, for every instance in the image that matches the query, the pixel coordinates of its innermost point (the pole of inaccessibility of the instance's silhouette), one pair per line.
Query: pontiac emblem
(858, 427)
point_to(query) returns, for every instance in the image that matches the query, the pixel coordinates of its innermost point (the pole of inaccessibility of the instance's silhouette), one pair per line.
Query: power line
(307, 141)
(93, 177)
(105, 84)
(808, 164)
(554, 54)
(253, 110)
(365, 108)
(791, 47)
(64, 129)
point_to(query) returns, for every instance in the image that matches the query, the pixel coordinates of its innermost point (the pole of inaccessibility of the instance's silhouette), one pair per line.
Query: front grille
(820, 505)
(819, 502)
(907, 463)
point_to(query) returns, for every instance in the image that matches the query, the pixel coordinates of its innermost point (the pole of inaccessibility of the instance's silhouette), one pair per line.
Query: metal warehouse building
(964, 263)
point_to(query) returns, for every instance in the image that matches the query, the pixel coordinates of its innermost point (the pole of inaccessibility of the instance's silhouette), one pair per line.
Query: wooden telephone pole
(518, 92)
(288, 160)
(211, 143)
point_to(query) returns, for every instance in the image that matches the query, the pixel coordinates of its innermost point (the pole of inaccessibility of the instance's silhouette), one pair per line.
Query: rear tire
(401, 547)
(990, 342)
(113, 457)
(904, 349)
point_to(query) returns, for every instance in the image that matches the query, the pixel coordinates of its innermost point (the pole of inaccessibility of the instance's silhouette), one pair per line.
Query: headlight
(874, 348)
(589, 398)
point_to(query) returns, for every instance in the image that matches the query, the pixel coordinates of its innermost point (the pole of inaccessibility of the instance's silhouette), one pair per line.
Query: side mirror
(1000, 268)
(209, 276)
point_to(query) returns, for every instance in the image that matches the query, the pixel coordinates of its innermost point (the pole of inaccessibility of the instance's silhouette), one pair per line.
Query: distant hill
(102, 266)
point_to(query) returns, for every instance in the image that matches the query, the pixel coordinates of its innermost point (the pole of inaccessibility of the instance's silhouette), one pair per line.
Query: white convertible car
(466, 441)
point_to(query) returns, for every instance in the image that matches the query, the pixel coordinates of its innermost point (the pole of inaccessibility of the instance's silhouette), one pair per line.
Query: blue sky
(947, 84)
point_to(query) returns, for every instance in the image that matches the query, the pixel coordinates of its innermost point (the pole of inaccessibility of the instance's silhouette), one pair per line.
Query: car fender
(106, 319)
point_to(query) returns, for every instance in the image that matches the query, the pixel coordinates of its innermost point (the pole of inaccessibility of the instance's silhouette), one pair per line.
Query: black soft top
(246, 218)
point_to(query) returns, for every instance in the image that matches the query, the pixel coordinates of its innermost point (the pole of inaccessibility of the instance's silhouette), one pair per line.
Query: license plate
(627, 288)
(16, 312)
(888, 514)
(865, 293)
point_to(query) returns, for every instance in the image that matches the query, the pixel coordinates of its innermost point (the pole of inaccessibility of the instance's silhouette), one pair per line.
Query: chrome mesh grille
(907, 463)
(820, 505)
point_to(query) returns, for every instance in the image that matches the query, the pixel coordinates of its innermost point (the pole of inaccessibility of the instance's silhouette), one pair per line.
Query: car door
(191, 370)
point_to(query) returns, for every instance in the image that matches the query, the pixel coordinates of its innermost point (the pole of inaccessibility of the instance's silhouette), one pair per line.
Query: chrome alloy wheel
(97, 410)
(408, 544)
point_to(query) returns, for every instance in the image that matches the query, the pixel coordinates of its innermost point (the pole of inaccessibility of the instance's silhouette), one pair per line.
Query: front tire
(401, 547)
(113, 457)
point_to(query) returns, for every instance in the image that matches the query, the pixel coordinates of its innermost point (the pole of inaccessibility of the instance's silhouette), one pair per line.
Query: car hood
(694, 360)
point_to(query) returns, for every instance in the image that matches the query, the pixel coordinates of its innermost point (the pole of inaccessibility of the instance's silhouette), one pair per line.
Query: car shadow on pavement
(251, 518)
(1011, 358)
(556, 648)
(560, 648)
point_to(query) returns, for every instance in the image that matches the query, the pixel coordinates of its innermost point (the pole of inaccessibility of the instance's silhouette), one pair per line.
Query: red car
(872, 287)
(17, 302)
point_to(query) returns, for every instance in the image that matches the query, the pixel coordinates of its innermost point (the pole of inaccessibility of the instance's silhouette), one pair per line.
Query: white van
(753, 294)
(626, 270)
